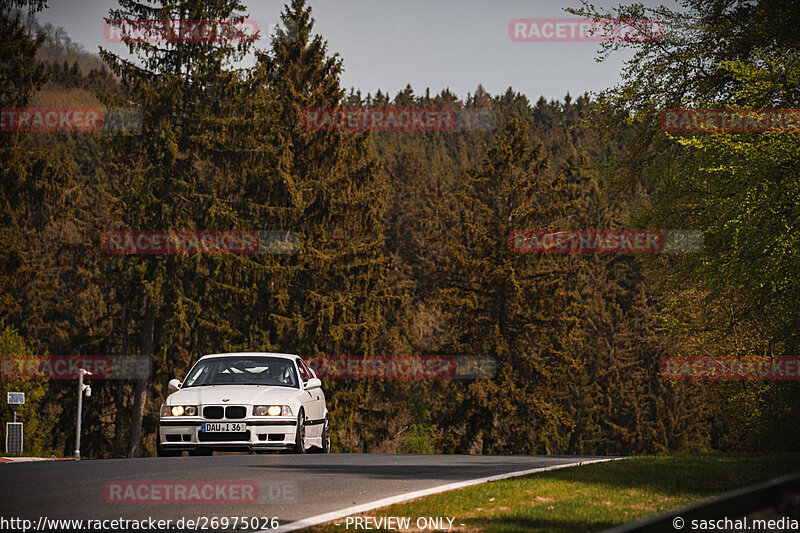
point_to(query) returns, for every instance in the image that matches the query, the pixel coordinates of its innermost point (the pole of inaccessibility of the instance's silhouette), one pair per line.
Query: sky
(436, 44)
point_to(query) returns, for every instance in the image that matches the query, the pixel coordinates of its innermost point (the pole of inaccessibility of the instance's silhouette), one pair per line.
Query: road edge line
(400, 498)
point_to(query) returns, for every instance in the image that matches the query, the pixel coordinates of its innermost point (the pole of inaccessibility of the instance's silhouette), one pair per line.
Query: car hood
(235, 394)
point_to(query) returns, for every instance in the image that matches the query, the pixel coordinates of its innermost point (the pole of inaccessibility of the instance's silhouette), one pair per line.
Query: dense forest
(403, 246)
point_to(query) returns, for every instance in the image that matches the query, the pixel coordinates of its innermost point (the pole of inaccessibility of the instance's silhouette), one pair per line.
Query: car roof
(251, 354)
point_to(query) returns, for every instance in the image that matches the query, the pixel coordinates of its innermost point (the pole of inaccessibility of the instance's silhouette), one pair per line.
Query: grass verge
(590, 497)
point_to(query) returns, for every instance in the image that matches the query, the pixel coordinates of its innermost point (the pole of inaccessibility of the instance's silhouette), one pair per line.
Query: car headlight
(272, 410)
(178, 410)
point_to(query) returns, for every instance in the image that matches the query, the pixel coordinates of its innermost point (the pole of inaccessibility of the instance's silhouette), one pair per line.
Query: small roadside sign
(16, 398)
(13, 437)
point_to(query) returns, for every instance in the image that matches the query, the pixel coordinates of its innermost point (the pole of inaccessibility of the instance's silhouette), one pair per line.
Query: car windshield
(242, 371)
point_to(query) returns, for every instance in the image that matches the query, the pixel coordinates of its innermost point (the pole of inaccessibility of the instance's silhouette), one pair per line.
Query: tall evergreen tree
(168, 177)
(514, 308)
(338, 298)
(20, 76)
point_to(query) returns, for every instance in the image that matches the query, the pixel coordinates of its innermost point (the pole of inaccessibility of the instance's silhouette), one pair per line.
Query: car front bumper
(261, 435)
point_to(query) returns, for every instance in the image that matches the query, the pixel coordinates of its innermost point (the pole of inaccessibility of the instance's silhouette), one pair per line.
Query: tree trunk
(119, 446)
(140, 387)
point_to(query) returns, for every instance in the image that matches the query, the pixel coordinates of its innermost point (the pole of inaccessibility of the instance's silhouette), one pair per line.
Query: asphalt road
(288, 487)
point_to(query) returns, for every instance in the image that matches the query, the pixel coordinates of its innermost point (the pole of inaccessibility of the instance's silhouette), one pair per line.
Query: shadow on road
(445, 467)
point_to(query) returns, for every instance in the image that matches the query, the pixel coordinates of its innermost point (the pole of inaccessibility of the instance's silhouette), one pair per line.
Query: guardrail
(781, 495)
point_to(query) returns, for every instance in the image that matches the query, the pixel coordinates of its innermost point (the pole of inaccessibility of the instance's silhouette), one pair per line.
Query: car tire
(300, 435)
(326, 438)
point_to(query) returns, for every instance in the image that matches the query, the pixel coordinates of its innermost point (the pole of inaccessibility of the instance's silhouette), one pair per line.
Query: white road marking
(391, 500)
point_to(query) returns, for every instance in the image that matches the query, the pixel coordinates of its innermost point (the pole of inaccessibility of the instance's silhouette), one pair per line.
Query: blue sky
(386, 44)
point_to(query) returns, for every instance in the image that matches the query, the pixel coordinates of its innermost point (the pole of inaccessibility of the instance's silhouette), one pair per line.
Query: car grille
(235, 411)
(212, 412)
(223, 437)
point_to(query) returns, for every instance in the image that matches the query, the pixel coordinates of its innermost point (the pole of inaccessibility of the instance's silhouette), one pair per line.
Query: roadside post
(81, 389)
(14, 430)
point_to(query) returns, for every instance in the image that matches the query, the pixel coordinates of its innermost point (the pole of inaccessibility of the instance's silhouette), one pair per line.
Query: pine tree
(513, 308)
(337, 297)
(171, 176)
(20, 76)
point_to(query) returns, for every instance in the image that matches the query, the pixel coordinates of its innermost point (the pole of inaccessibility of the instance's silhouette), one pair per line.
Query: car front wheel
(326, 438)
(300, 436)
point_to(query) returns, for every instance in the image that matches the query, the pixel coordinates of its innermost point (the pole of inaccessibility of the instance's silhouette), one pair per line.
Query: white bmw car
(245, 402)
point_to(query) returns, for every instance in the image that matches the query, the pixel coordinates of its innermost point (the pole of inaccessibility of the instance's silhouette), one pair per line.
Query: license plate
(223, 427)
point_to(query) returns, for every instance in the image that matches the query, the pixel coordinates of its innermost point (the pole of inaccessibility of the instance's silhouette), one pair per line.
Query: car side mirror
(313, 383)
(174, 384)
